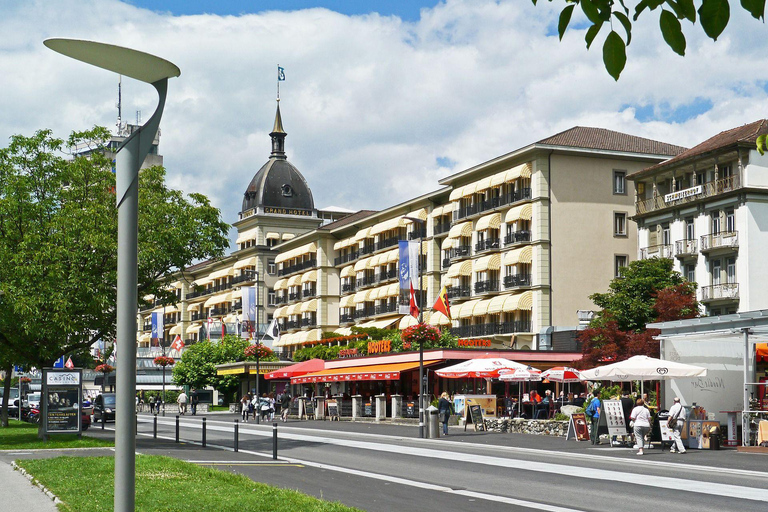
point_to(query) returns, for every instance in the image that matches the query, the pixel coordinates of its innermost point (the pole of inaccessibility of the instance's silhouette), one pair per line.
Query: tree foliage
(713, 16)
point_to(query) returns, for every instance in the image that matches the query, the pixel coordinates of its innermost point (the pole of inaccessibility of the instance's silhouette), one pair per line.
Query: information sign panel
(61, 401)
(614, 418)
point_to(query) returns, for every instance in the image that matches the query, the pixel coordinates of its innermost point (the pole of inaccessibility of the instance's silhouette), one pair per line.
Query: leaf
(688, 10)
(614, 55)
(590, 10)
(650, 4)
(672, 32)
(591, 33)
(714, 16)
(565, 18)
(755, 7)
(761, 144)
(627, 24)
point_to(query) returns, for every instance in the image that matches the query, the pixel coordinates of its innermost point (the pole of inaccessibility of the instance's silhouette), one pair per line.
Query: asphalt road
(386, 467)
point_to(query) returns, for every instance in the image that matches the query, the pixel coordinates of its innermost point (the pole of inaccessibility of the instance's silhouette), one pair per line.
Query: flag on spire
(442, 304)
(69, 364)
(280, 74)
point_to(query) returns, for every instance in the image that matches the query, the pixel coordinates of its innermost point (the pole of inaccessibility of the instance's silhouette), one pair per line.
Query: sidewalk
(18, 493)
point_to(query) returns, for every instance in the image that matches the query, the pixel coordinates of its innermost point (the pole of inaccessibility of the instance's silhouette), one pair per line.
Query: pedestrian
(182, 401)
(285, 405)
(194, 399)
(444, 409)
(245, 405)
(640, 419)
(676, 422)
(593, 414)
(271, 398)
(264, 407)
(152, 404)
(158, 403)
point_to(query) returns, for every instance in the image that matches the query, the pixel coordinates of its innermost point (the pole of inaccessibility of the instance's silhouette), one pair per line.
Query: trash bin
(433, 422)
(714, 438)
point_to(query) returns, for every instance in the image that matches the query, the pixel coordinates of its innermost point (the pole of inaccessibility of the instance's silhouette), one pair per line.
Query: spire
(278, 135)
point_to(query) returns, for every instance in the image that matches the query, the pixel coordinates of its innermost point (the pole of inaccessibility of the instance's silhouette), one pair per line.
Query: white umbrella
(564, 374)
(484, 367)
(520, 375)
(644, 368)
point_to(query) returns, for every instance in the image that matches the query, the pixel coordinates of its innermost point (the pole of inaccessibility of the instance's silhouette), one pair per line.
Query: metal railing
(656, 251)
(494, 202)
(487, 245)
(517, 237)
(297, 267)
(723, 291)
(456, 292)
(724, 239)
(710, 189)
(516, 280)
(685, 248)
(492, 285)
(467, 331)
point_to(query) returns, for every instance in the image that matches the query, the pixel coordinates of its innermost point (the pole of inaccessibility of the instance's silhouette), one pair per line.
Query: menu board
(410, 410)
(666, 432)
(577, 428)
(614, 418)
(333, 409)
(474, 415)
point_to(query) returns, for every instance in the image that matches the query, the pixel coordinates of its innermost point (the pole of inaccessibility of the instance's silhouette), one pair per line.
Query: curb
(36, 483)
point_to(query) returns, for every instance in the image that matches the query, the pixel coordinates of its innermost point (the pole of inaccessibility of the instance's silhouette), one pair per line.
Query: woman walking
(245, 404)
(640, 418)
(444, 409)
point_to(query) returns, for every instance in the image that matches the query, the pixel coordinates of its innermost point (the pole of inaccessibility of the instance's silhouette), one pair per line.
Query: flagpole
(162, 344)
(278, 82)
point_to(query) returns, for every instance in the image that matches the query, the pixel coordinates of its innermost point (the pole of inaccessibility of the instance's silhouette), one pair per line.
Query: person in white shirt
(182, 401)
(641, 417)
(677, 414)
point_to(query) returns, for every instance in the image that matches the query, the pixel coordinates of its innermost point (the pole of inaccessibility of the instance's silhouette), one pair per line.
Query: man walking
(285, 404)
(593, 412)
(195, 400)
(182, 401)
(677, 422)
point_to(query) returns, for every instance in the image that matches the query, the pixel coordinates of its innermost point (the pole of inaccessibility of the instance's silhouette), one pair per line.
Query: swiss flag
(69, 364)
(177, 344)
(414, 309)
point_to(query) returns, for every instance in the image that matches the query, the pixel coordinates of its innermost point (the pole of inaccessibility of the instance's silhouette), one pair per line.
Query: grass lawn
(85, 484)
(218, 408)
(20, 435)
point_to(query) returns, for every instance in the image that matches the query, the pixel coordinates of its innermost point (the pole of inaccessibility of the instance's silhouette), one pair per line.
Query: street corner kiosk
(61, 406)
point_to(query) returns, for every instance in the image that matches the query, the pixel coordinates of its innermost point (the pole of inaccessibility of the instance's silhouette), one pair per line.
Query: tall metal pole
(422, 398)
(258, 345)
(162, 344)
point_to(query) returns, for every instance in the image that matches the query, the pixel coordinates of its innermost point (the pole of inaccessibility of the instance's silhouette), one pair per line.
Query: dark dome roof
(278, 184)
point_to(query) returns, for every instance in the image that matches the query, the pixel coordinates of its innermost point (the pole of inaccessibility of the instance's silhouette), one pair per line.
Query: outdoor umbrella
(644, 368)
(484, 367)
(564, 374)
(520, 375)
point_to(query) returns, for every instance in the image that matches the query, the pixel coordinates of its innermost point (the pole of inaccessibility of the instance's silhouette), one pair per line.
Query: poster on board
(614, 418)
(474, 414)
(577, 428)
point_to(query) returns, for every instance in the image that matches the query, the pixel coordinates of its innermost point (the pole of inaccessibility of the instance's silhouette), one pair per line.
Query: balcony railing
(308, 292)
(656, 251)
(366, 281)
(340, 260)
(243, 278)
(486, 286)
(710, 189)
(722, 240)
(515, 280)
(368, 249)
(309, 322)
(490, 204)
(386, 276)
(517, 237)
(388, 308)
(389, 242)
(441, 228)
(280, 299)
(415, 235)
(461, 251)
(726, 291)
(468, 331)
(297, 267)
(457, 292)
(487, 245)
(349, 287)
(346, 319)
(294, 296)
(364, 313)
(685, 248)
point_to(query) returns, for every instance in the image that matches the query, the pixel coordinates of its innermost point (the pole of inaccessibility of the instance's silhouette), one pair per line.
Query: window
(690, 231)
(271, 267)
(715, 222)
(730, 266)
(665, 237)
(619, 182)
(690, 273)
(620, 262)
(730, 221)
(271, 242)
(716, 268)
(619, 224)
(271, 297)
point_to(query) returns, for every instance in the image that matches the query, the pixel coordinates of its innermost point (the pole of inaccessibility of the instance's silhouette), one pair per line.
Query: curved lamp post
(156, 71)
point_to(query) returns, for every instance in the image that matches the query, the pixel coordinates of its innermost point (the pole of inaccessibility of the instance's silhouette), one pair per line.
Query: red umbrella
(563, 374)
(483, 367)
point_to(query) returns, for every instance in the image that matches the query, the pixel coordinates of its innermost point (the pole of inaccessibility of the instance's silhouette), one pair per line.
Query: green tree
(713, 16)
(58, 244)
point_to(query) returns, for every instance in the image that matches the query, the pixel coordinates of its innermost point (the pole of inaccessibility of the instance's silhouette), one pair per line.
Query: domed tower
(278, 187)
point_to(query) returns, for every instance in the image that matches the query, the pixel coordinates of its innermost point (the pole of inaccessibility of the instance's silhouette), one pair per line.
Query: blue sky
(405, 9)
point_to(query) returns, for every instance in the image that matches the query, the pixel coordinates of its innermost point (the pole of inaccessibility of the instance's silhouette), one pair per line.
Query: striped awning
(521, 171)
(464, 229)
(347, 301)
(295, 253)
(272, 236)
(294, 280)
(247, 235)
(519, 255)
(363, 234)
(421, 214)
(309, 306)
(387, 225)
(222, 273)
(309, 277)
(361, 297)
(281, 312)
(508, 303)
(192, 329)
(362, 264)
(492, 221)
(520, 212)
(463, 268)
(247, 262)
(465, 310)
(288, 236)
(490, 262)
(218, 299)
(176, 329)
(347, 271)
(438, 318)
(280, 284)
(437, 211)
(407, 321)
(344, 243)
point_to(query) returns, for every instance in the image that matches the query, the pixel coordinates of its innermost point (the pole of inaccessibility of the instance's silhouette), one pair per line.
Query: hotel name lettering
(378, 347)
(288, 211)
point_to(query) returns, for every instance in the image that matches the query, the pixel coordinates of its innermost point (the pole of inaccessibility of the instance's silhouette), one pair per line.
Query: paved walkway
(18, 493)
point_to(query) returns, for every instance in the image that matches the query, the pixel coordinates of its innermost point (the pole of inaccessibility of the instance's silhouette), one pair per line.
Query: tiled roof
(742, 135)
(609, 140)
(198, 266)
(349, 219)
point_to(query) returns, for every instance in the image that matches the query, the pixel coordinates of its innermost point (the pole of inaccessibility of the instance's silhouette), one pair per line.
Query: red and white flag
(69, 364)
(177, 344)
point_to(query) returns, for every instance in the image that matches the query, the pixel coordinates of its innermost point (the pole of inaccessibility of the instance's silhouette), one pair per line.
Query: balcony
(293, 324)
(441, 228)
(386, 276)
(366, 281)
(487, 245)
(294, 296)
(461, 251)
(308, 293)
(418, 234)
(364, 313)
(244, 278)
(723, 240)
(346, 319)
(716, 292)
(340, 260)
(388, 308)
(713, 188)
(685, 249)
(459, 292)
(517, 237)
(470, 331)
(389, 242)
(656, 251)
(219, 311)
(486, 286)
(297, 267)
(280, 299)
(309, 322)
(517, 280)
(494, 202)
(368, 249)
(347, 288)
(147, 326)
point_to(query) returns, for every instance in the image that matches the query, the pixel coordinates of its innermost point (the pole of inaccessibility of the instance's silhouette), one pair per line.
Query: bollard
(154, 427)
(103, 418)
(237, 432)
(136, 429)
(203, 432)
(177, 428)
(274, 441)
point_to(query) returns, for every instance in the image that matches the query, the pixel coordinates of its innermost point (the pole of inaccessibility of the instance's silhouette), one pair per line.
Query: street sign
(59, 363)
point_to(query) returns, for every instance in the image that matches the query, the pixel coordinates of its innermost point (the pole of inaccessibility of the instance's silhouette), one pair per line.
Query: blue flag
(280, 74)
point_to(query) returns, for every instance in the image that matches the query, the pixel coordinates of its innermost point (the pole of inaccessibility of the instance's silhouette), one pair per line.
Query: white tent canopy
(644, 368)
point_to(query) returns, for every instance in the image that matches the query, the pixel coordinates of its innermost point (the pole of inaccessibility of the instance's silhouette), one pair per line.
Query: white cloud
(370, 102)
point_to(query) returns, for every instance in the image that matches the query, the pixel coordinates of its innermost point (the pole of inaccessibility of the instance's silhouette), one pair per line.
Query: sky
(381, 99)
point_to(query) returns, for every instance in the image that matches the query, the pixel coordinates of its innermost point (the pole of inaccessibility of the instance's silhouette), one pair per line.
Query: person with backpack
(593, 414)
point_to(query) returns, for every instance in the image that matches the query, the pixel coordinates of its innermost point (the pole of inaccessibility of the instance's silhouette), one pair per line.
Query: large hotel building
(519, 241)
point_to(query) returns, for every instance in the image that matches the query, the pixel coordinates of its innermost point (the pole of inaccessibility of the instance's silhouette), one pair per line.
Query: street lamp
(156, 71)
(422, 384)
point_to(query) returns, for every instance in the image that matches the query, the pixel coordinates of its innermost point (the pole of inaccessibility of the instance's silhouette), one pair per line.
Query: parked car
(104, 406)
(33, 400)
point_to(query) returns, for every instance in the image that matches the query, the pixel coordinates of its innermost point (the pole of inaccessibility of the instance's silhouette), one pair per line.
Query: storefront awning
(298, 369)
(358, 373)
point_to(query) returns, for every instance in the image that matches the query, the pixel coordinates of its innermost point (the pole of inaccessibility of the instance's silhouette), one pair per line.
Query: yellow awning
(313, 335)
(421, 213)
(294, 310)
(222, 273)
(192, 329)
(176, 329)
(519, 302)
(380, 324)
(393, 255)
(393, 290)
(145, 337)
(437, 211)
(272, 236)
(449, 243)
(309, 306)
(481, 308)
(347, 301)
(344, 243)
(462, 268)
(348, 271)
(193, 307)
(465, 310)
(519, 255)
(387, 225)
(464, 229)
(288, 236)
(520, 212)
(407, 321)
(294, 280)
(295, 253)
(483, 184)
(455, 194)
(247, 235)
(361, 297)
(498, 179)
(362, 264)
(309, 277)
(437, 318)
(490, 262)
(280, 312)
(520, 171)
(492, 221)
(344, 331)
(247, 262)
(363, 234)
(281, 284)
(200, 283)
(218, 299)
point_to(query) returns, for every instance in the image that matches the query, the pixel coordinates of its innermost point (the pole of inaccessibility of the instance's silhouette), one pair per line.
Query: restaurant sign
(348, 352)
(682, 194)
(379, 347)
(475, 343)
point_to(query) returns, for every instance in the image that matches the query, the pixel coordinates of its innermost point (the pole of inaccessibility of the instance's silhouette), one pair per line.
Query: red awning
(356, 373)
(304, 367)
(761, 351)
